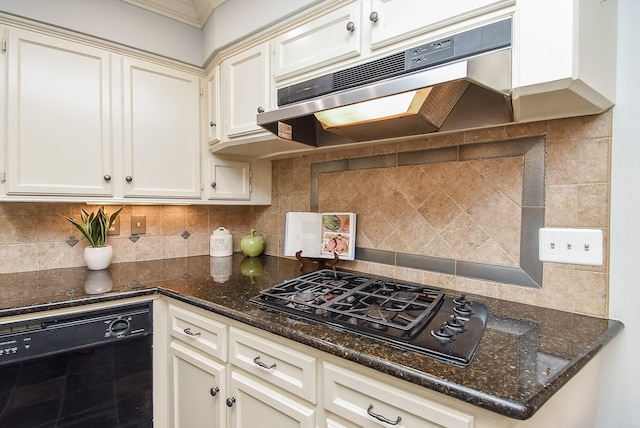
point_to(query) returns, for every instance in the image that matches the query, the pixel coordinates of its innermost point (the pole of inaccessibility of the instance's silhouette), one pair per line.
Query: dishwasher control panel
(42, 337)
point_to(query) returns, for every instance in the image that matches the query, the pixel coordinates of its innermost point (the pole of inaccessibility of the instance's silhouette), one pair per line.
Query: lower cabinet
(197, 383)
(223, 373)
(261, 384)
(369, 402)
(255, 403)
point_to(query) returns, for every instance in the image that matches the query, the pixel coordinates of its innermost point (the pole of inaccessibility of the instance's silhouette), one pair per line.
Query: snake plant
(95, 225)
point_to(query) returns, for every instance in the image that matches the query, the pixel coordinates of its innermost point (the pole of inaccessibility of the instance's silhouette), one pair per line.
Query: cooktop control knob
(462, 300)
(444, 333)
(455, 323)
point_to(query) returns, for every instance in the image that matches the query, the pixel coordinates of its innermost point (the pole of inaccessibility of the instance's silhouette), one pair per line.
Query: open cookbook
(320, 235)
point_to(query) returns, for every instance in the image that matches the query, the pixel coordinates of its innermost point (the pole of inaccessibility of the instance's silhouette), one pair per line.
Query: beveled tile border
(529, 272)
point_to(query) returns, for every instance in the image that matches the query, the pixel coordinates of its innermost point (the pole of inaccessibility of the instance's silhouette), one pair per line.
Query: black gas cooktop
(407, 315)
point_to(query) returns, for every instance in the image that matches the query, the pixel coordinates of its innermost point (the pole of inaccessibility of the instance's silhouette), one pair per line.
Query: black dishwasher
(91, 368)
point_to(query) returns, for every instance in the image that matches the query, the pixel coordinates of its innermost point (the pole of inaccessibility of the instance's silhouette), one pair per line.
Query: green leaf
(95, 226)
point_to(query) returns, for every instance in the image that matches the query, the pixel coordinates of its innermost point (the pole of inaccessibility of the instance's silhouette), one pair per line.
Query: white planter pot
(98, 258)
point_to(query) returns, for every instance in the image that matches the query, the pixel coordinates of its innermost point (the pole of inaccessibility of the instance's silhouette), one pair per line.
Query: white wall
(129, 25)
(116, 21)
(619, 405)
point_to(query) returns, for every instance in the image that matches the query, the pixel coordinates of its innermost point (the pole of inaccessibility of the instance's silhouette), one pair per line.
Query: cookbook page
(338, 235)
(303, 233)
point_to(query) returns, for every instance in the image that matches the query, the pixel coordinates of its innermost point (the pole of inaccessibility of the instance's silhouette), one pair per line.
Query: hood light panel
(392, 106)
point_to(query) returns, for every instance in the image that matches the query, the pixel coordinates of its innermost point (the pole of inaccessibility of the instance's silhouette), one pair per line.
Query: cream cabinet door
(198, 386)
(3, 108)
(394, 20)
(58, 117)
(245, 92)
(254, 404)
(229, 179)
(161, 110)
(326, 39)
(213, 104)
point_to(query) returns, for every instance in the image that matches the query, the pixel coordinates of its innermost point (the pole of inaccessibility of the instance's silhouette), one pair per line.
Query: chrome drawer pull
(190, 333)
(263, 365)
(382, 418)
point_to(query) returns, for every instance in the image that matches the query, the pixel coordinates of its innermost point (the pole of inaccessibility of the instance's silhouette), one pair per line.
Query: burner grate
(405, 315)
(359, 302)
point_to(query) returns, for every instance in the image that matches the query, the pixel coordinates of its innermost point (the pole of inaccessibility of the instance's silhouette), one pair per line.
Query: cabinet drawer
(199, 331)
(281, 366)
(359, 398)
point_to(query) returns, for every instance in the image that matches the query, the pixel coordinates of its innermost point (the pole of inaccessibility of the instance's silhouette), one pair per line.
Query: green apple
(252, 245)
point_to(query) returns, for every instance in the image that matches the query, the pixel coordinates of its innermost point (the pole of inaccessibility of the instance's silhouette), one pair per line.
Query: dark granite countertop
(526, 354)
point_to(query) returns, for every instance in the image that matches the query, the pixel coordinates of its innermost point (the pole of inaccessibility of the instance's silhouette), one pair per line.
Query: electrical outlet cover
(574, 246)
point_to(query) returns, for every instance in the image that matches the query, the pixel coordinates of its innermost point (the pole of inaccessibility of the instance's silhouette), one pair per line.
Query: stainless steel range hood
(468, 81)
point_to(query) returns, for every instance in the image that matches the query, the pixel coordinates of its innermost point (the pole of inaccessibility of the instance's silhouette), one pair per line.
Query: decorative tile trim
(71, 241)
(533, 149)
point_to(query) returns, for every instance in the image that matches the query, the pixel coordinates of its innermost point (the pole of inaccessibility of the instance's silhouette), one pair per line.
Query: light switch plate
(574, 246)
(138, 224)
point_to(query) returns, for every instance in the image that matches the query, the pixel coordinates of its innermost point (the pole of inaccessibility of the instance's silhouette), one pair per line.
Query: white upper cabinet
(324, 40)
(3, 103)
(229, 179)
(213, 105)
(88, 122)
(161, 131)
(357, 29)
(58, 117)
(246, 91)
(394, 20)
(564, 58)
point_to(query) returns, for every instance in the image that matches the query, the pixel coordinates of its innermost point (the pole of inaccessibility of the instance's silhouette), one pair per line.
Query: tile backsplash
(408, 209)
(33, 235)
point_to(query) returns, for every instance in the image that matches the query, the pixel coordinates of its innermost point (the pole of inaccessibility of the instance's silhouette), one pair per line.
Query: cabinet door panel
(257, 405)
(398, 19)
(325, 40)
(161, 131)
(230, 179)
(193, 376)
(213, 103)
(246, 90)
(59, 138)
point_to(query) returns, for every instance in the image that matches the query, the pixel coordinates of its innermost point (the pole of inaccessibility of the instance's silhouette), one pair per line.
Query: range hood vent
(462, 82)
